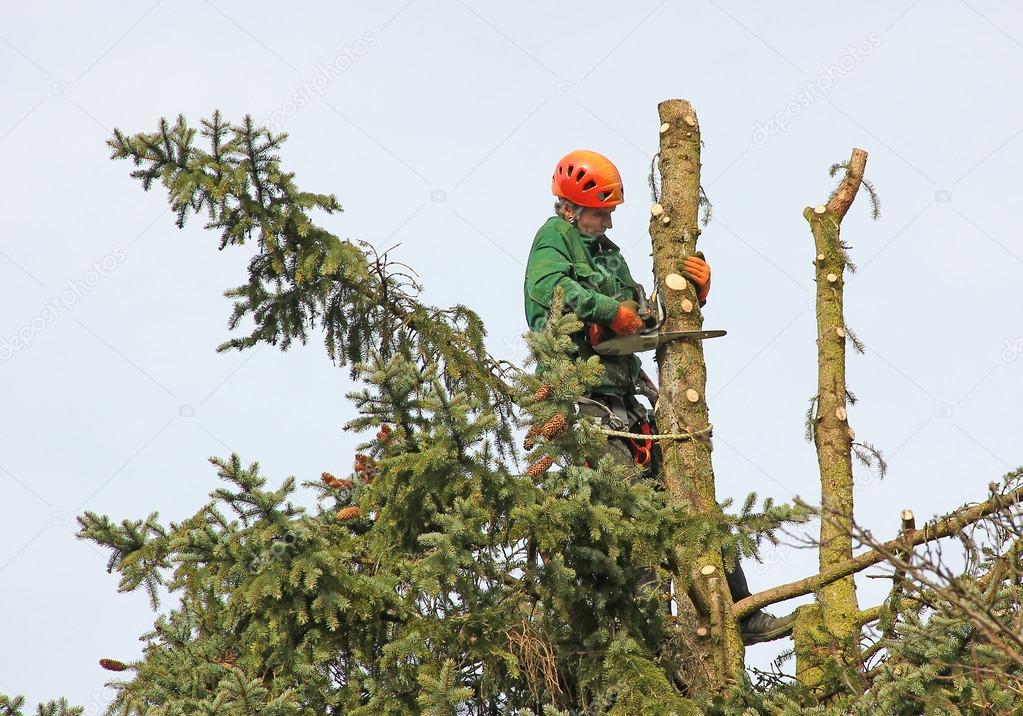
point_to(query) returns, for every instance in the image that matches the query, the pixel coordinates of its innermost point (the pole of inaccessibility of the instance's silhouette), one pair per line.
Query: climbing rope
(658, 436)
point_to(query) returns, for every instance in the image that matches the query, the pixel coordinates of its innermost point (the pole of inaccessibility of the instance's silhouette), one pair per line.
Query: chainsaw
(605, 343)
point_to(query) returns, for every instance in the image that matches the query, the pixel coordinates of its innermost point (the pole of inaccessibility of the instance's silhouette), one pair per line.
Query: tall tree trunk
(829, 630)
(703, 597)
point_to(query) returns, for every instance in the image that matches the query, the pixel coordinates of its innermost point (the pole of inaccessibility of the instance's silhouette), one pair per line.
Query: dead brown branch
(934, 530)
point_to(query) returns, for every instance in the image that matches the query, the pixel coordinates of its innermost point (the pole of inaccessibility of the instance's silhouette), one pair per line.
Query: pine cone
(384, 432)
(543, 393)
(365, 468)
(554, 427)
(329, 480)
(528, 442)
(334, 483)
(348, 513)
(226, 659)
(540, 466)
(113, 665)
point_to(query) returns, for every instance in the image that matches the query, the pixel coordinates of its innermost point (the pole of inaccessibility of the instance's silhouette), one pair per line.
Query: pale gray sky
(437, 124)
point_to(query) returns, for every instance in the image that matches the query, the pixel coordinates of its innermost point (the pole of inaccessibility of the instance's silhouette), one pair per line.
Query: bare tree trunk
(703, 598)
(835, 625)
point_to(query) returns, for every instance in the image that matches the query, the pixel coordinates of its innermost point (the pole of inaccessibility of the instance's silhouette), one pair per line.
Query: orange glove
(697, 270)
(627, 320)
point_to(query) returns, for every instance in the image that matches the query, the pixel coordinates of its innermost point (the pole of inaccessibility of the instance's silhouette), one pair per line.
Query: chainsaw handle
(653, 318)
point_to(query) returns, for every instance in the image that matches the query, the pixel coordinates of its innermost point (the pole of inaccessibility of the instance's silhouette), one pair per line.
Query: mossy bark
(833, 437)
(688, 471)
(812, 644)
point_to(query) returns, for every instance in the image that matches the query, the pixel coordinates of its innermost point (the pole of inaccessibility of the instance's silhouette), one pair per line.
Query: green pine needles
(460, 587)
(437, 577)
(302, 276)
(446, 572)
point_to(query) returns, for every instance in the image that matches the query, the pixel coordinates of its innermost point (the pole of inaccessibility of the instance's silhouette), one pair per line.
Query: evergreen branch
(704, 204)
(653, 178)
(868, 455)
(808, 420)
(858, 345)
(304, 276)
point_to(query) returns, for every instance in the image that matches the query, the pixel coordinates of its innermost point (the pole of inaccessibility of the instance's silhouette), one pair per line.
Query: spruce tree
(437, 576)
(448, 571)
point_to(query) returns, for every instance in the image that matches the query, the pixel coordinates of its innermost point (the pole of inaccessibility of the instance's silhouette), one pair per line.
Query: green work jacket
(594, 279)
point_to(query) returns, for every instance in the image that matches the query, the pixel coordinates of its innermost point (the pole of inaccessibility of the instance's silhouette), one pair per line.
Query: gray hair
(561, 204)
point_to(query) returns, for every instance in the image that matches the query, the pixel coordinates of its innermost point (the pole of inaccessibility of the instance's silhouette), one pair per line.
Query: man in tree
(571, 251)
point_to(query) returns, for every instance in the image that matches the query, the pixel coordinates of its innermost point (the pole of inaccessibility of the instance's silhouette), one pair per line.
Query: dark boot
(736, 579)
(757, 626)
(760, 626)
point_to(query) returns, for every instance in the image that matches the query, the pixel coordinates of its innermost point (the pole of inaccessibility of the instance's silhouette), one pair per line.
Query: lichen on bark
(688, 469)
(832, 437)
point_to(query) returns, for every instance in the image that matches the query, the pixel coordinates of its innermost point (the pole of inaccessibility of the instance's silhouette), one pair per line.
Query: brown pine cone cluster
(384, 433)
(348, 513)
(113, 665)
(554, 427)
(540, 466)
(365, 467)
(550, 430)
(334, 483)
(226, 659)
(543, 393)
(530, 440)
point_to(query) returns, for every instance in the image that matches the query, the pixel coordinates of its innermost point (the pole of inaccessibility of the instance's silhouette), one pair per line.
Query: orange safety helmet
(588, 179)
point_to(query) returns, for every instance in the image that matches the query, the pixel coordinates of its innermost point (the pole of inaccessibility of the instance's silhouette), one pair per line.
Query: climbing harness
(641, 448)
(641, 443)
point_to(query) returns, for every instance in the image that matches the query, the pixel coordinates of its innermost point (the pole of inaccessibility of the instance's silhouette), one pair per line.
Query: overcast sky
(438, 124)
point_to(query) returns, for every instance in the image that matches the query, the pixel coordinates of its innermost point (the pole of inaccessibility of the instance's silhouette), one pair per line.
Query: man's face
(594, 222)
